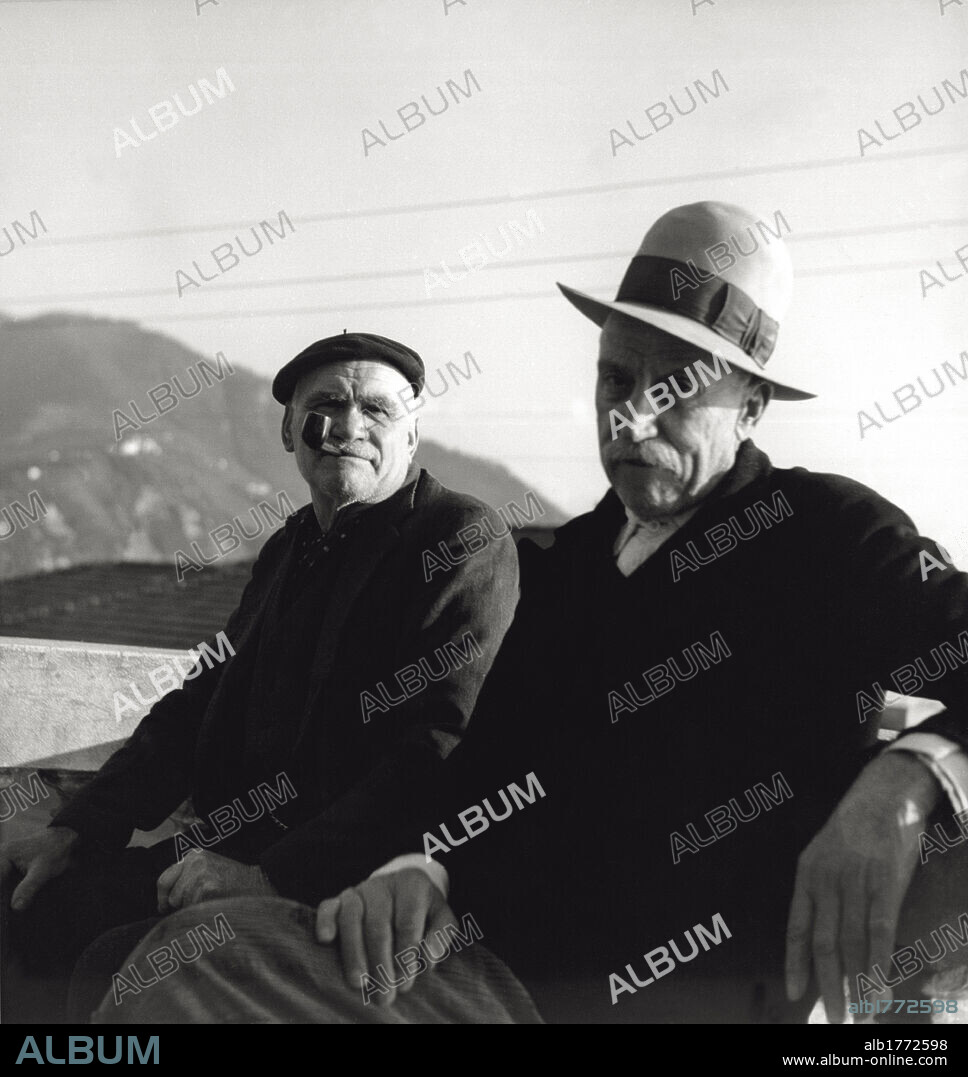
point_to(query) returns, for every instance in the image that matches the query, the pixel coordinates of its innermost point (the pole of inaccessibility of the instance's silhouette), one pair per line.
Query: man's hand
(378, 919)
(203, 875)
(852, 878)
(39, 858)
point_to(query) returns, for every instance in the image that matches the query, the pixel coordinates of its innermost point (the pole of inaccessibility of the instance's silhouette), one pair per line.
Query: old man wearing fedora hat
(689, 691)
(351, 676)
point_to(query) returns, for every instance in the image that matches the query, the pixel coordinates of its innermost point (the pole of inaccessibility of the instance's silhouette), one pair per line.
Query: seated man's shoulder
(563, 552)
(450, 511)
(837, 500)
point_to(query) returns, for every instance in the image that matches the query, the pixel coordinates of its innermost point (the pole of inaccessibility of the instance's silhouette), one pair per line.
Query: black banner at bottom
(861, 1047)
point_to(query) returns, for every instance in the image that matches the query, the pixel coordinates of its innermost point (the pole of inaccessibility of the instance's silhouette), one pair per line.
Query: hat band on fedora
(712, 302)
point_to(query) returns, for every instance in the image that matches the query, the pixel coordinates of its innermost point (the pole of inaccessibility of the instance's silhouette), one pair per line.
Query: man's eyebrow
(377, 397)
(340, 396)
(326, 394)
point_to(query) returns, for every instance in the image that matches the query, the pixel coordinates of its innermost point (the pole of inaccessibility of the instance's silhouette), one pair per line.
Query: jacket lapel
(209, 734)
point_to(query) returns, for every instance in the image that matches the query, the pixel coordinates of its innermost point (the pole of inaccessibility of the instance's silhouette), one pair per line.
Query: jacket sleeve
(907, 617)
(465, 612)
(146, 779)
(515, 719)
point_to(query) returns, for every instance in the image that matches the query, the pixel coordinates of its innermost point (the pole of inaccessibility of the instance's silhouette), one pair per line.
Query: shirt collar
(666, 526)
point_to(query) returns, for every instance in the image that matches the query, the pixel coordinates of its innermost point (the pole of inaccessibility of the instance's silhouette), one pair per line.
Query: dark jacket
(813, 609)
(349, 775)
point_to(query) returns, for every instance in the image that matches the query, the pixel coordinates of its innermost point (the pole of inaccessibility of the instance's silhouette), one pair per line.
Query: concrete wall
(57, 699)
(61, 701)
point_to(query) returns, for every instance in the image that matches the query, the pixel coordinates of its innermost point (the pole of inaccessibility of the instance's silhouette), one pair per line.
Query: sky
(532, 144)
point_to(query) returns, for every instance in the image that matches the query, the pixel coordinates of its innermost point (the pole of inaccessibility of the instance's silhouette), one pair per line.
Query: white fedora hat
(706, 276)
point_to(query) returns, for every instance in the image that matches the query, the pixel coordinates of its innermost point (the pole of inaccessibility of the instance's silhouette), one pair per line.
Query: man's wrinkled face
(665, 463)
(372, 427)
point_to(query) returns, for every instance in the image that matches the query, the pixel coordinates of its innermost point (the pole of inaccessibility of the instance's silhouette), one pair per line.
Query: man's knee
(213, 962)
(249, 922)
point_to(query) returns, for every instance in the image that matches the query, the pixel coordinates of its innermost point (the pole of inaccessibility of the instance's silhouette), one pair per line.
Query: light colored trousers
(273, 971)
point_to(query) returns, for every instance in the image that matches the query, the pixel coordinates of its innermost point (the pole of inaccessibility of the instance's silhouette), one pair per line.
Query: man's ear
(757, 399)
(287, 430)
(413, 438)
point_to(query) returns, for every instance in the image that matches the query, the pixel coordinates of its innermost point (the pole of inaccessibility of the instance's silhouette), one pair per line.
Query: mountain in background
(214, 457)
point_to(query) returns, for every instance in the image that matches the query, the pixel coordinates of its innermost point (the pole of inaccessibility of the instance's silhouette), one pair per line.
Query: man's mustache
(334, 447)
(647, 456)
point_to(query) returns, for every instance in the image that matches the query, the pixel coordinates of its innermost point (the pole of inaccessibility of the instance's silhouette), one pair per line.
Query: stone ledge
(58, 700)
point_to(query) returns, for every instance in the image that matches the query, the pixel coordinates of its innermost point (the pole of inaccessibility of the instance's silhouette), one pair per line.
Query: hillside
(178, 476)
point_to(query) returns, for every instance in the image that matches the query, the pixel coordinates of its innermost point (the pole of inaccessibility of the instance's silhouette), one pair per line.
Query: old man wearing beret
(353, 676)
(689, 695)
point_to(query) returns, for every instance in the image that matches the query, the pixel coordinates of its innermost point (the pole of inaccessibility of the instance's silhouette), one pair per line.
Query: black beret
(347, 347)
